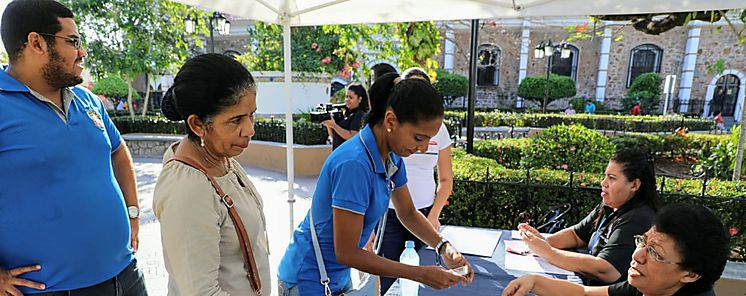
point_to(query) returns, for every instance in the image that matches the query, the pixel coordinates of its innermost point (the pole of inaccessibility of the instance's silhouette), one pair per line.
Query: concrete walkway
(272, 187)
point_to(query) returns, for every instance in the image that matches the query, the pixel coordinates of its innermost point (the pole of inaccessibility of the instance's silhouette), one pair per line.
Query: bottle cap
(409, 244)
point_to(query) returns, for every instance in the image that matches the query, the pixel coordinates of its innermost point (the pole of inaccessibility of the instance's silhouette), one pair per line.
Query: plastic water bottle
(409, 257)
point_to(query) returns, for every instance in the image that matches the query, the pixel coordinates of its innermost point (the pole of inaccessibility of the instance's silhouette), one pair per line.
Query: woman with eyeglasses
(353, 192)
(683, 254)
(629, 201)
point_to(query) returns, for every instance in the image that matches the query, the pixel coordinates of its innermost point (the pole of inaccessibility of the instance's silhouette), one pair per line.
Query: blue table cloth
(490, 275)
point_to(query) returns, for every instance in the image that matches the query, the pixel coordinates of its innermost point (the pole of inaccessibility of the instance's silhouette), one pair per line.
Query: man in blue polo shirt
(66, 177)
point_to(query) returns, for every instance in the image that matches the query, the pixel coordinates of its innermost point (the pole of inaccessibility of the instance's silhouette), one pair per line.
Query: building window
(488, 66)
(568, 66)
(645, 58)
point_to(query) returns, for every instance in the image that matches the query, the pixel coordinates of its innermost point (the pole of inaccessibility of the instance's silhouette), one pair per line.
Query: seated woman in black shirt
(629, 202)
(357, 106)
(683, 254)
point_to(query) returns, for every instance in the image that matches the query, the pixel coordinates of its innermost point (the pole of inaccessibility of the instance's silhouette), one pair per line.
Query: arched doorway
(726, 95)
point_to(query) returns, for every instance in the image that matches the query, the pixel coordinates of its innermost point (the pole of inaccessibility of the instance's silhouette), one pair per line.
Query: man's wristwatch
(134, 212)
(437, 250)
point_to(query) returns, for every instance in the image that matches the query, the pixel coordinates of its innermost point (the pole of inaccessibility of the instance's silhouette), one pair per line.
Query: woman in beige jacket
(216, 97)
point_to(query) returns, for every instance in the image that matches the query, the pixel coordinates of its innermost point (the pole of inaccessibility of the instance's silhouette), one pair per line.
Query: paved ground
(271, 185)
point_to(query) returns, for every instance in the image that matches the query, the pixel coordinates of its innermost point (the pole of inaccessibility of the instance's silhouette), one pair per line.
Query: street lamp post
(214, 22)
(547, 49)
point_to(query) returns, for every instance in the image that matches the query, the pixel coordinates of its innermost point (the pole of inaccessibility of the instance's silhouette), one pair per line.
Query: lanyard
(596, 236)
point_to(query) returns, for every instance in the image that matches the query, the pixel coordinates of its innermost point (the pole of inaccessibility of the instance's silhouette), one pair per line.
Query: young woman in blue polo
(353, 192)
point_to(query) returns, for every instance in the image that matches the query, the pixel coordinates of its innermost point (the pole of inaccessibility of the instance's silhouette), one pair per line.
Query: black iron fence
(502, 204)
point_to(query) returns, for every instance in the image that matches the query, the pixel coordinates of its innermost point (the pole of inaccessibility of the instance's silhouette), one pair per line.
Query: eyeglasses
(640, 243)
(77, 42)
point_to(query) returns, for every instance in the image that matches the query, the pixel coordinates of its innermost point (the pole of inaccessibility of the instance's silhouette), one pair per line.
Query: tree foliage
(534, 87)
(343, 49)
(112, 86)
(645, 89)
(451, 86)
(131, 37)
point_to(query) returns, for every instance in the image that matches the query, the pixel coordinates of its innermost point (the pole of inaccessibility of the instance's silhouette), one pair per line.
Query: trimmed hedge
(486, 194)
(592, 121)
(684, 147)
(304, 133)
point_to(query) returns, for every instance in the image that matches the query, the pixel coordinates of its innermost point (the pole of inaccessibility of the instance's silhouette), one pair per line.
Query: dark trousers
(129, 282)
(394, 237)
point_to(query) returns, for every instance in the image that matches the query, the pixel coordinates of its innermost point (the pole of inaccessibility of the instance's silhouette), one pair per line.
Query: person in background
(590, 107)
(68, 198)
(628, 206)
(570, 110)
(719, 120)
(636, 110)
(357, 105)
(683, 254)
(428, 197)
(378, 70)
(353, 192)
(216, 98)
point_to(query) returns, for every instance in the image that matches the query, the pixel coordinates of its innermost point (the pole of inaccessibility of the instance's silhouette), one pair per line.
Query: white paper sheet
(515, 234)
(472, 241)
(530, 262)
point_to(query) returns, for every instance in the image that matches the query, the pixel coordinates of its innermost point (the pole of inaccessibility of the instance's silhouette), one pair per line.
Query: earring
(202, 142)
(388, 130)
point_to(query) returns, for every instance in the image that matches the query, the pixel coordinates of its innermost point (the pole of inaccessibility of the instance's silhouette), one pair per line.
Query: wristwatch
(437, 251)
(134, 212)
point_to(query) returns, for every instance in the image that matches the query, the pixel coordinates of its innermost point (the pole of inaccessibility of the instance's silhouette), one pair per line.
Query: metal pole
(472, 86)
(739, 149)
(289, 121)
(546, 86)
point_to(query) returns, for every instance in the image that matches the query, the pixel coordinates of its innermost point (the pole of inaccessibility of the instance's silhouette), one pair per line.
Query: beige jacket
(200, 245)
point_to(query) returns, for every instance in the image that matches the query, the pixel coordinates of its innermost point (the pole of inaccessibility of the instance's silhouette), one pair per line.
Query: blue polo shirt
(60, 205)
(354, 179)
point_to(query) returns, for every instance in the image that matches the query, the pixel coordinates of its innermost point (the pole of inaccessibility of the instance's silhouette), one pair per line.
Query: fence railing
(503, 204)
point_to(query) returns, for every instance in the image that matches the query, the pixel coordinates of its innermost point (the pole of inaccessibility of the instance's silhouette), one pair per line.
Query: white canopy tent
(295, 13)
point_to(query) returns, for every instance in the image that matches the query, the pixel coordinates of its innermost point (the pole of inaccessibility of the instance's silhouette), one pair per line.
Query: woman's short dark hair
(415, 72)
(412, 100)
(205, 86)
(638, 165)
(381, 69)
(360, 91)
(22, 17)
(700, 239)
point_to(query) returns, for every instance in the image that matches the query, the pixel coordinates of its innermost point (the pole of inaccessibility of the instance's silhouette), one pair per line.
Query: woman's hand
(439, 278)
(434, 221)
(529, 228)
(537, 244)
(520, 286)
(454, 259)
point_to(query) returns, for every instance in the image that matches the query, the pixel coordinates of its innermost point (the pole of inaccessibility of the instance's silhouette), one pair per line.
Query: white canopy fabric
(326, 12)
(331, 12)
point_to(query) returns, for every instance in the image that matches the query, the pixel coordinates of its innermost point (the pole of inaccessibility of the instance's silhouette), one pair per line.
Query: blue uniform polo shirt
(60, 205)
(354, 179)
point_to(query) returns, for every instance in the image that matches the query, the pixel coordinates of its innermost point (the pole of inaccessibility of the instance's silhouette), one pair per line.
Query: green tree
(339, 49)
(132, 37)
(451, 86)
(645, 89)
(534, 88)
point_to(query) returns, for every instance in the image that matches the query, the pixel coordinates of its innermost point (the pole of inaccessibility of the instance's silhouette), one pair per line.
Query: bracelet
(440, 244)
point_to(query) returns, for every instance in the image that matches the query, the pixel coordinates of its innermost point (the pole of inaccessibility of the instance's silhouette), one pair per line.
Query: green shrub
(506, 152)
(645, 89)
(451, 86)
(570, 147)
(534, 88)
(486, 194)
(304, 133)
(721, 161)
(592, 121)
(111, 86)
(687, 147)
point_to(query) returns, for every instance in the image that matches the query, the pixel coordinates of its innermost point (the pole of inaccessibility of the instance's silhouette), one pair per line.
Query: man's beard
(54, 73)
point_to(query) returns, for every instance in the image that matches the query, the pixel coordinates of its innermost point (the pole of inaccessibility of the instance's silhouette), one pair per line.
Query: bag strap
(317, 249)
(247, 253)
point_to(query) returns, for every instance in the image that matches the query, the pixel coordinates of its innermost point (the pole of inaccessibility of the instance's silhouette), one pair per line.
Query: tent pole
(472, 86)
(289, 121)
